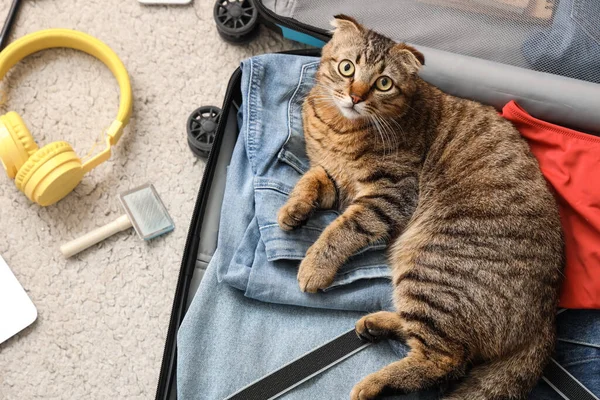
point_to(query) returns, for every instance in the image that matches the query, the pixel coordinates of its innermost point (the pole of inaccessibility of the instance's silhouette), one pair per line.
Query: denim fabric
(577, 350)
(571, 46)
(269, 158)
(227, 341)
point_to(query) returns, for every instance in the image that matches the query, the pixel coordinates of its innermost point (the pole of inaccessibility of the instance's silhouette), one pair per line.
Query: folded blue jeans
(258, 257)
(227, 341)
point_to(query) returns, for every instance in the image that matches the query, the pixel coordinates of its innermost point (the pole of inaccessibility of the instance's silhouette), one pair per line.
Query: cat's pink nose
(355, 99)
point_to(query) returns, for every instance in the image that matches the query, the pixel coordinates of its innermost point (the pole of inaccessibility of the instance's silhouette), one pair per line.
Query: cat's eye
(384, 83)
(346, 68)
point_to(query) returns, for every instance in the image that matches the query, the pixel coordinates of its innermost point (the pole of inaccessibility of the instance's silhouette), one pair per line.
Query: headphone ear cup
(16, 143)
(50, 174)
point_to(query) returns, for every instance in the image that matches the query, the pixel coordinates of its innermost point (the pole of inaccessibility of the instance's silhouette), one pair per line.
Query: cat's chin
(350, 113)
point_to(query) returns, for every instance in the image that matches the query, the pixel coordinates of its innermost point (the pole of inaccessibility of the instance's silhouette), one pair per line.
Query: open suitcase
(567, 95)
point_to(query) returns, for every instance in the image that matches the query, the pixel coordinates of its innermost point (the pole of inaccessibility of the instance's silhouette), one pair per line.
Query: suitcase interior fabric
(532, 34)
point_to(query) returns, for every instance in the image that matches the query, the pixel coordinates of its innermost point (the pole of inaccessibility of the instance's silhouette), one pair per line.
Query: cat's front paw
(293, 214)
(367, 389)
(315, 274)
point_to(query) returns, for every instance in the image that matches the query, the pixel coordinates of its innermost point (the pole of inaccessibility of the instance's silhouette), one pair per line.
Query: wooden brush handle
(95, 236)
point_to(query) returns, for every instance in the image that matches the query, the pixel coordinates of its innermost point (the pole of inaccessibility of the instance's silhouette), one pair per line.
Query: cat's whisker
(402, 137)
(395, 135)
(379, 131)
(384, 128)
(373, 125)
(388, 134)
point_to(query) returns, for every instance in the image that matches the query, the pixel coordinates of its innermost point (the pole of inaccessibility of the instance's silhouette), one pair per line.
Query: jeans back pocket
(293, 151)
(270, 195)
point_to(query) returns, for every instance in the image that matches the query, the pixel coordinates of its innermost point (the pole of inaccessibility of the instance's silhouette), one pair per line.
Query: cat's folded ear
(413, 58)
(343, 22)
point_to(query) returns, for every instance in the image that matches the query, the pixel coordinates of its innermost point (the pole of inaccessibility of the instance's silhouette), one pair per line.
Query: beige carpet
(103, 315)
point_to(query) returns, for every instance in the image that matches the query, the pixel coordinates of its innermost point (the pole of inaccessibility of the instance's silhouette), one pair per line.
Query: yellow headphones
(48, 174)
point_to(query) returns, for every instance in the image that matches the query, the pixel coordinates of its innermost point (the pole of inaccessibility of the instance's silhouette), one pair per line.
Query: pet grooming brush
(143, 210)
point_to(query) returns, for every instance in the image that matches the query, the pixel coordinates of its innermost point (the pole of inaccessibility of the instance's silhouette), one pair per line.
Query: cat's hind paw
(367, 389)
(380, 325)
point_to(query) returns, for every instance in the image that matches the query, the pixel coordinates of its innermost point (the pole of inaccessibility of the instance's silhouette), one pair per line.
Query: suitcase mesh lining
(556, 36)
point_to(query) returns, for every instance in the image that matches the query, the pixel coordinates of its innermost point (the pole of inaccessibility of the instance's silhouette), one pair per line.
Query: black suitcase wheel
(202, 128)
(237, 20)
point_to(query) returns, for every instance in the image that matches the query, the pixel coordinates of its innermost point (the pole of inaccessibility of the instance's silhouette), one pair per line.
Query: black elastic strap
(322, 358)
(565, 384)
(302, 369)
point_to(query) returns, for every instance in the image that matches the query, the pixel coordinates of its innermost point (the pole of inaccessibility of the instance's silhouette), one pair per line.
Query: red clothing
(570, 161)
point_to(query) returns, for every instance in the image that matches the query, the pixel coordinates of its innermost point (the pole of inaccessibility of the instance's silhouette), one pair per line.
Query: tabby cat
(476, 247)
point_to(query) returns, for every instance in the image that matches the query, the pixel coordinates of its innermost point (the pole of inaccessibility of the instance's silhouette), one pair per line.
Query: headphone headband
(67, 38)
